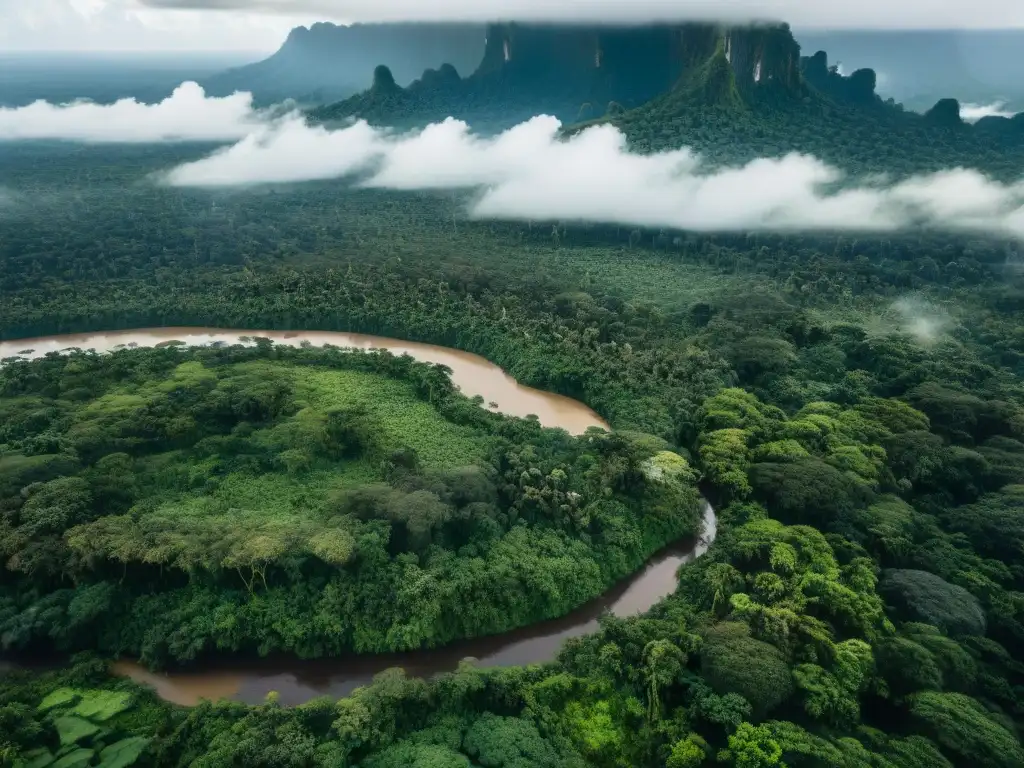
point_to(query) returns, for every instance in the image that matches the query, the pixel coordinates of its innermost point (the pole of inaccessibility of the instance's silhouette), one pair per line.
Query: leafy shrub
(963, 727)
(734, 662)
(925, 597)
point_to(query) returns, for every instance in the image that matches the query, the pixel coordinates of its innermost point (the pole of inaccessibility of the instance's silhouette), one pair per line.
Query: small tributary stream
(297, 681)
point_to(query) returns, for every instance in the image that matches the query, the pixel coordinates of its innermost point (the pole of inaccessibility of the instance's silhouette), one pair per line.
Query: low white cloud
(866, 14)
(186, 115)
(284, 151)
(448, 156)
(972, 113)
(530, 173)
(922, 320)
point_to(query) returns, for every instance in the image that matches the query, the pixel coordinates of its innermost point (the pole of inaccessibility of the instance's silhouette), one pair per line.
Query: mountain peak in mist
(328, 62)
(570, 70)
(946, 112)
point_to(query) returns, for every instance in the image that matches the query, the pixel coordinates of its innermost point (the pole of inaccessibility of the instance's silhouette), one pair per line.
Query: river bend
(297, 681)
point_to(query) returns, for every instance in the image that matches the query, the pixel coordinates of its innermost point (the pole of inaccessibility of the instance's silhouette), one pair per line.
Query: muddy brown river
(473, 374)
(297, 681)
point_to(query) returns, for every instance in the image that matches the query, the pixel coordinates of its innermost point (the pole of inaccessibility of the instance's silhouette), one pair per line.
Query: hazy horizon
(261, 25)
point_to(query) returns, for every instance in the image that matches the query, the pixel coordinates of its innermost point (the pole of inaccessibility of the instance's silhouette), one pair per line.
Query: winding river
(473, 374)
(297, 681)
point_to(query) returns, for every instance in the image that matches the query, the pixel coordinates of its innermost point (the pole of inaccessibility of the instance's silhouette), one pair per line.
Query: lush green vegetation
(864, 596)
(852, 405)
(838, 119)
(860, 138)
(165, 503)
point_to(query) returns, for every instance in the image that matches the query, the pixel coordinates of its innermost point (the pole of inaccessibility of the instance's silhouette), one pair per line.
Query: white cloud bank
(972, 113)
(528, 173)
(866, 14)
(186, 115)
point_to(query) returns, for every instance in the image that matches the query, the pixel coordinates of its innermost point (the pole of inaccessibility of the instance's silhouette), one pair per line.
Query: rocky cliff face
(858, 87)
(580, 72)
(581, 63)
(635, 64)
(763, 55)
(946, 113)
(917, 67)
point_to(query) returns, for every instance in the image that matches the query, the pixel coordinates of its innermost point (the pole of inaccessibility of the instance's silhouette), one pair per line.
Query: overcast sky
(261, 25)
(128, 25)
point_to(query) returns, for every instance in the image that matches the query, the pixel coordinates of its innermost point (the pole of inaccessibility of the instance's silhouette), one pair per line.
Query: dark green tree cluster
(861, 606)
(169, 502)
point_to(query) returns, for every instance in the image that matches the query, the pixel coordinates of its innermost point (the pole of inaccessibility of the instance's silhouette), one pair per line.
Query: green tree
(752, 746)
(925, 597)
(687, 753)
(663, 661)
(965, 730)
(734, 662)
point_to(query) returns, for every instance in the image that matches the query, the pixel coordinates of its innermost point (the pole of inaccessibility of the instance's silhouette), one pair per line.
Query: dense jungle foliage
(876, 137)
(163, 503)
(852, 405)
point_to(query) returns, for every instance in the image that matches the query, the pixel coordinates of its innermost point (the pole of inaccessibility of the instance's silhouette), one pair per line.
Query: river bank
(473, 374)
(296, 681)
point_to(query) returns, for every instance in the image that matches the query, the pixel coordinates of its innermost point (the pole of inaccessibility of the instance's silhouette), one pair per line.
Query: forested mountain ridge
(571, 70)
(327, 62)
(920, 66)
(837, 118)
(743, 92)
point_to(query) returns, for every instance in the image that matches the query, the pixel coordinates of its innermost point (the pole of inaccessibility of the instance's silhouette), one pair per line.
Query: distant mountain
(327, 62)
(734, 93)
(575, 72)
(1007, 129)
(104, 78)
(859, 88)
(919, 67)
(839, 119)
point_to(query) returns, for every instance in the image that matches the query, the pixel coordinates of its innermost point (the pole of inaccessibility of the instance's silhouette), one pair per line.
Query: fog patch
(920, 319)
(1014, 260)
(188, 114)
(530, 172)
(287, 151)
(9, 201)
(972, 113)
(866, 14)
